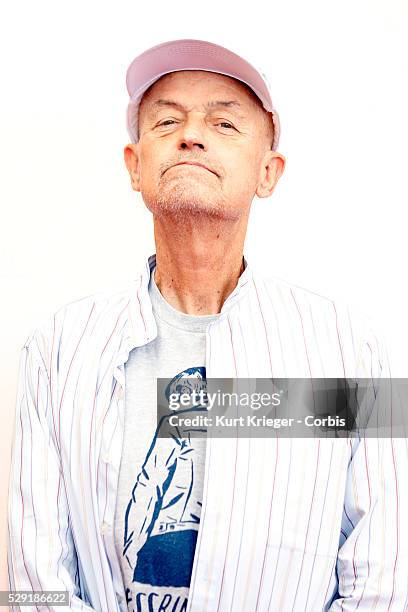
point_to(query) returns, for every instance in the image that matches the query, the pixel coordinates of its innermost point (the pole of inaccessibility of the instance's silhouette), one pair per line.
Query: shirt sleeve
(41, 553)
(372, 562)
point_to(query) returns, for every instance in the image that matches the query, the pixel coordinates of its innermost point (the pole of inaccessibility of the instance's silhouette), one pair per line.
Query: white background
(71, 223)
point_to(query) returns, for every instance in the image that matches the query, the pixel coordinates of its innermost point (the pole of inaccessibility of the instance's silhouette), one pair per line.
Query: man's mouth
(192, 163)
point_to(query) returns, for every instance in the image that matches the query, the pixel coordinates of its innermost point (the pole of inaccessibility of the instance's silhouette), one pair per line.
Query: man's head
(204, 130)
(211, 119)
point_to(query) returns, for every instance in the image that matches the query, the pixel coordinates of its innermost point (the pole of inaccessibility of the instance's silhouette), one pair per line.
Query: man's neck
(196, 270)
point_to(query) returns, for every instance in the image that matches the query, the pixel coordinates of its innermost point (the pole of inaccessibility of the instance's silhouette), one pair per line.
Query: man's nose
(193, 134)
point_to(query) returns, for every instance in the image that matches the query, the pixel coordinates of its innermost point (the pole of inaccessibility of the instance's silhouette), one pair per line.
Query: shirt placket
(112, 460)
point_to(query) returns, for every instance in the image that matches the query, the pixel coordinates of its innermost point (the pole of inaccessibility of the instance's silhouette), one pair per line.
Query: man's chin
(179, 203)
(182, 207)
(179, 199)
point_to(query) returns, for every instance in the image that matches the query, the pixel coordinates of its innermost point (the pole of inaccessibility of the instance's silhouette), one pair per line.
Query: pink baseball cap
(188, 54)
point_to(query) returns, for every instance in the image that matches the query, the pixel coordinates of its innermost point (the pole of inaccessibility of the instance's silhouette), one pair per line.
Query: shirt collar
(143, 323)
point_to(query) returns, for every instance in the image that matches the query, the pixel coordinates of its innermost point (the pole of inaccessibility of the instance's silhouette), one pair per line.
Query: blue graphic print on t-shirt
(163, 514)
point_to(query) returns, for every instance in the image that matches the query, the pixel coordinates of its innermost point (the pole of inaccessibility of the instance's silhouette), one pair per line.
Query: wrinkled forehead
(177, 81)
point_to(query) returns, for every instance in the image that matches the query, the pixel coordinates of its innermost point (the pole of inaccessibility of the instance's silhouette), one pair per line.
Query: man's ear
(132, 161)
(273, 165)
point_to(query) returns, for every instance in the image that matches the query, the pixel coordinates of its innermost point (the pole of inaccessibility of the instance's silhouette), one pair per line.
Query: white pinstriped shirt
(287, 524)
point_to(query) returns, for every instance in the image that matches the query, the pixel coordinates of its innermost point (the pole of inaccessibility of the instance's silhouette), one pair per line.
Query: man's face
(209, 119)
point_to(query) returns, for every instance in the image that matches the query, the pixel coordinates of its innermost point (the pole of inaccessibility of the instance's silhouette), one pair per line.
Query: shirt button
(106, 458)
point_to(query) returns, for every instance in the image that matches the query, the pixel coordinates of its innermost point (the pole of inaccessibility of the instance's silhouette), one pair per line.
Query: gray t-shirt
(160, 486)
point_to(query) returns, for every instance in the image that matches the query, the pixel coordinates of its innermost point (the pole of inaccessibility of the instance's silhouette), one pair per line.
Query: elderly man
(123, 519)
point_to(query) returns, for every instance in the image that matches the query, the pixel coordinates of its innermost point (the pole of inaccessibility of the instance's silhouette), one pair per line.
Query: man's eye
(167, 122)
(226, 124)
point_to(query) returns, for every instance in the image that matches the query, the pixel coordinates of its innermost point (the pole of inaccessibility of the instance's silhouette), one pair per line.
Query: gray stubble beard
(180, 200)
